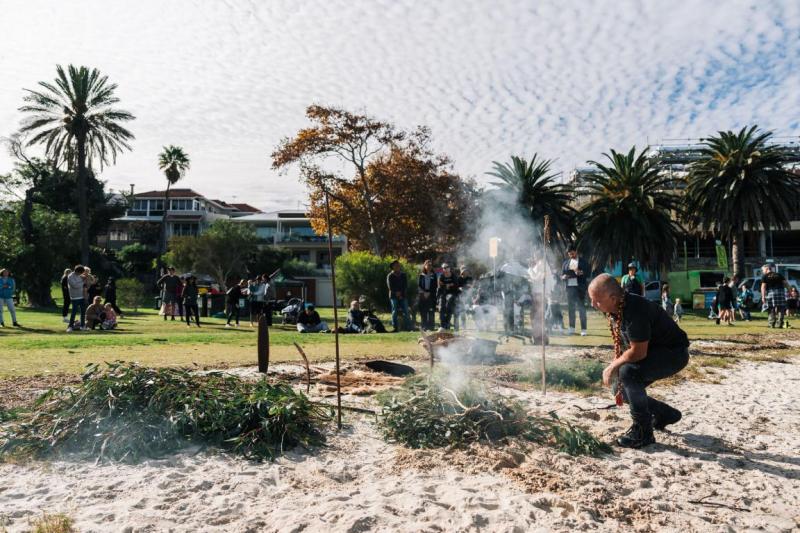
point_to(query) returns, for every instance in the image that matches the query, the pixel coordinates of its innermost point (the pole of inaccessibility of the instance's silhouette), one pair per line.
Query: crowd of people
(81, 292)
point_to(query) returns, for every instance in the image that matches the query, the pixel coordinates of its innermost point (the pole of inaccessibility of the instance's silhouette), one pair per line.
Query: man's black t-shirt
(772, 280)
(309, 318)
(643, 320)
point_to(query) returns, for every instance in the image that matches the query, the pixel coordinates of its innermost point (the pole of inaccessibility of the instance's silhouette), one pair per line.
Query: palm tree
(630, 213)
(75, 119)
(535, 188)
(741, 183)
(174, 162)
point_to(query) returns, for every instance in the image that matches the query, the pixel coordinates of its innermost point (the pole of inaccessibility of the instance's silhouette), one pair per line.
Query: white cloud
(566, 79)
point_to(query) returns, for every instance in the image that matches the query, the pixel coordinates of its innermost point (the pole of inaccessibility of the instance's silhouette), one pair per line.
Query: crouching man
(649, 346)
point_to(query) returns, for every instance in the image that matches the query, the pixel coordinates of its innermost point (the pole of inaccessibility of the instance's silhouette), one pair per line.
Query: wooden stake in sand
(545, 243)
(335, 311)
(263, 344)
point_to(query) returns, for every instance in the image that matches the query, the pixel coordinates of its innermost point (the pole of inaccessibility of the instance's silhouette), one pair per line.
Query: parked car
(652, 290)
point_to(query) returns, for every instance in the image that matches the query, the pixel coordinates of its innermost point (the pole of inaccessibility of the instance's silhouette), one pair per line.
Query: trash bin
(202, 303)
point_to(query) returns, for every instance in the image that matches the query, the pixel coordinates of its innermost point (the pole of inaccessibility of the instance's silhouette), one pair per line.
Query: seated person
(373, 323)
(110, 321)
(95, 313)
(355, 319)
(310, 322)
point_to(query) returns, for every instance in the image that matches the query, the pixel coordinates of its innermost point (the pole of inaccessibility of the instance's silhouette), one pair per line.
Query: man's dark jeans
(575, 299)
(78, 305)
(661, 362)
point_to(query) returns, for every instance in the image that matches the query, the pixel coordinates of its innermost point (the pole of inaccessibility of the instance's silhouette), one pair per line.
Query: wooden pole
(335, 311)
(263, 344)
(545, 243)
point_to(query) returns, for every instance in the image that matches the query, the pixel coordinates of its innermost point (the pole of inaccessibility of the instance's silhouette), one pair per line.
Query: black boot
(638, 436)
(670, 415)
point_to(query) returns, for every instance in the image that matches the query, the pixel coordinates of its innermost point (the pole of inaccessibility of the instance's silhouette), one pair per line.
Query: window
(118, 235)
(266, 232)
(181, 205)
(156, 205)
(139, 205)
(302, 256)
(184, 229)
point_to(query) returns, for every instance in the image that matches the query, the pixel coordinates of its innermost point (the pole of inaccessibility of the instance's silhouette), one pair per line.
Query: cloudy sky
(567, 79)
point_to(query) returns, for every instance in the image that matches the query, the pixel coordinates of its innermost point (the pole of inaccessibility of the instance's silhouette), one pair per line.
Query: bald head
(605, 293)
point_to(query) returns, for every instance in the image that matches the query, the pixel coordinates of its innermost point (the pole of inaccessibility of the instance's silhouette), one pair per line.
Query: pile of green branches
(427, 414)
(126, 412)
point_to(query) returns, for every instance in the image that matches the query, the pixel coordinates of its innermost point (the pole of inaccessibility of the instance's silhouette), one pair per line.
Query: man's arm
(634, 354)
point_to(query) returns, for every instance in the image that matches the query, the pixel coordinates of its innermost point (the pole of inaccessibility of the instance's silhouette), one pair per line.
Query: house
(189, 213)
(292, 231)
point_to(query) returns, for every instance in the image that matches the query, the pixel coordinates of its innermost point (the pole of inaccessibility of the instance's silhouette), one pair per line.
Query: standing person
(65, 295)
(745, 300)
(110, 295)
(792, 305)
(725, 301)
(255, 290)
(773, 295)
(235, 294)
(269, 297)
(632, 282)
(464, 296)
(77, 295)
(649, 346)
(179, 298)
(92, 285)
(397, 283)
(666, 301)
(573, 272)
(427, 296)
(447, 294)
(190, 293)
(7, 288)
(169, 292)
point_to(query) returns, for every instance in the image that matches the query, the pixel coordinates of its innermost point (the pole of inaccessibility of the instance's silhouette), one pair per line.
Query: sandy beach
(732, 464)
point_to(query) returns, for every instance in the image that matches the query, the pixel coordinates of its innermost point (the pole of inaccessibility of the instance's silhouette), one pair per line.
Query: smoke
(502, 216)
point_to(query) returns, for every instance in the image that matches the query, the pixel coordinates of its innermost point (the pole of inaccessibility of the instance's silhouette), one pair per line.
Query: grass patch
(426, 414)
(53, 523)
(126, 412)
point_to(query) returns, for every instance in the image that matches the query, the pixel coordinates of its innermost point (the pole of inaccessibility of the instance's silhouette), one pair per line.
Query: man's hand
(563, 276)
(398, 295)
(608, 373)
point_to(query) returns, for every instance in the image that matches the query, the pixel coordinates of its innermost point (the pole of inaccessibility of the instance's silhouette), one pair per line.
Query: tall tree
(534, 186)
(631, 212)
(741, 183)
(174, 162)
(349, 138)
(75, 119)
(419, 205)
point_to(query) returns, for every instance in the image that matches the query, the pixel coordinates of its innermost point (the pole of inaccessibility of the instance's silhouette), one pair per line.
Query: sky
(227, 80)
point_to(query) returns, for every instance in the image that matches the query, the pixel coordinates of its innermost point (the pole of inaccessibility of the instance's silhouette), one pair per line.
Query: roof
(246, 208)
(173, 193)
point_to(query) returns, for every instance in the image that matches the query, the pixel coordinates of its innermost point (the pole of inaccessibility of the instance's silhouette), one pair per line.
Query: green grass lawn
(42, 346)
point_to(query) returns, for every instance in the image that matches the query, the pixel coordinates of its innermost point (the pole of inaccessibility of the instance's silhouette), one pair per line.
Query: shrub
(362, 273)
(429, 415)
(128, 412)
(137, 258)
(131, 293)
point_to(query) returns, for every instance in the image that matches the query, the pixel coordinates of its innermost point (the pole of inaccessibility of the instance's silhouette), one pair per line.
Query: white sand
(736, 446)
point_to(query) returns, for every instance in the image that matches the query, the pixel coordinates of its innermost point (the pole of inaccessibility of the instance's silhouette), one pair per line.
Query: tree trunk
(83, 214)
(39, 295)
(163, 247)
(375, 244)
(737, 255)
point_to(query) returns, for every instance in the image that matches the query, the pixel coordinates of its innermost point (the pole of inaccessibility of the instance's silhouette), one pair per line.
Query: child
(677, 311)
(95, 313)
(792, 305)
(110, 320)
(745, 301)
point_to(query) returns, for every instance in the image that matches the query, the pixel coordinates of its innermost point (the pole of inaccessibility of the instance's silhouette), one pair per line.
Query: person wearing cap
(397, 283)
(632, 282)
(447, 294)
(309, 321)
(573, 272)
